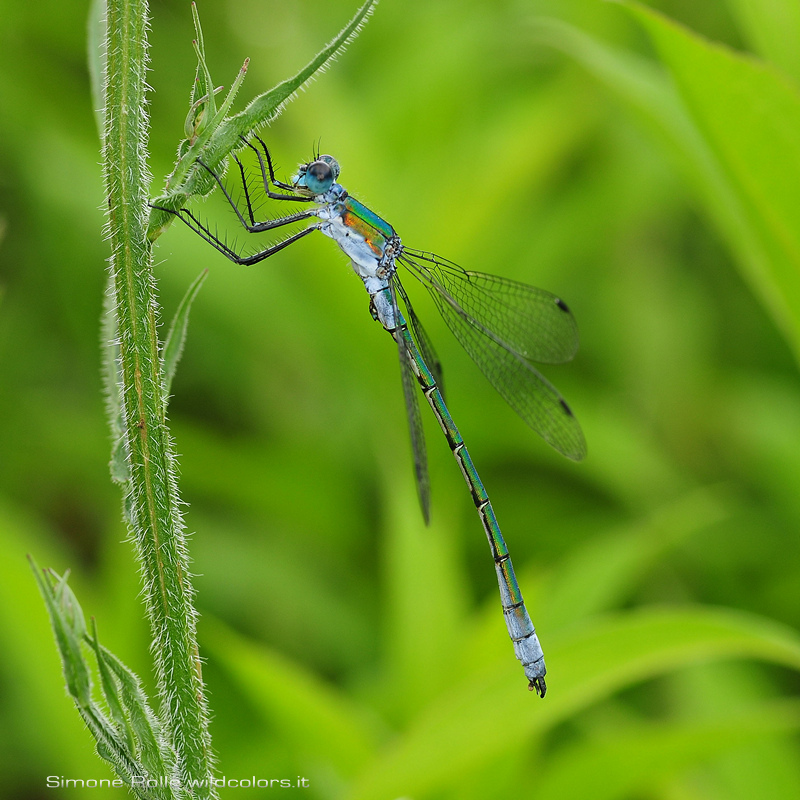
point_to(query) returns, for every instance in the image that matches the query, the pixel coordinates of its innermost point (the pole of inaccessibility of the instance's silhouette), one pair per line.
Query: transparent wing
(410, 394)
(504, 355)
(535, 324)
(423, 340)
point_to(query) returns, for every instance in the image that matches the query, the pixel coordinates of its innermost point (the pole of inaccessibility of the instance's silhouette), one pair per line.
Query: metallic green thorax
(375, 231)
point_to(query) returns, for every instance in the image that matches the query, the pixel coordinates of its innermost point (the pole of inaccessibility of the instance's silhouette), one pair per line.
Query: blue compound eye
(319, 177)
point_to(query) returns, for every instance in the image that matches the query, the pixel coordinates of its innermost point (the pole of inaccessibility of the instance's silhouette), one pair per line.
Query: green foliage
(642, 168)
(212, 135)
(138, 373)
(129, 737)
(150, 492)
(731, 120)
(771, 27)
(748, 113)
(176, 337)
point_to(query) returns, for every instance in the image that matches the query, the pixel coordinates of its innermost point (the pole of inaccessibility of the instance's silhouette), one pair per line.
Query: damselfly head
(317, 176)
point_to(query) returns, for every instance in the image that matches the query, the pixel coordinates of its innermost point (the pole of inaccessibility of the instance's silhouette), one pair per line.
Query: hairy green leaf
(151, 748)
(176, 337)
(222, 136)
(114, 740)
(68, 623)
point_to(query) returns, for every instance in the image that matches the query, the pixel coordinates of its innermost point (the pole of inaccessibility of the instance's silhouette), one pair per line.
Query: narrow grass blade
(176, 338)
(772, 27)
(204, 85)
(315, 720)
(604, 571)
(473, 723)
(637, 759)
(749, 113)
(729, 121)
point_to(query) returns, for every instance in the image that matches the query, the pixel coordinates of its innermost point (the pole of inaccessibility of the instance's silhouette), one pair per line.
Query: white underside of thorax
(373, 270)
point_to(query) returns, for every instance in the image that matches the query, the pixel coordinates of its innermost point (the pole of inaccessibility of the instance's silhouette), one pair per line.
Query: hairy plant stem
(152, 501)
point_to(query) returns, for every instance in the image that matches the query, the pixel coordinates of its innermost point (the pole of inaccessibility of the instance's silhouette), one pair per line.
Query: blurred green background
(638, 170)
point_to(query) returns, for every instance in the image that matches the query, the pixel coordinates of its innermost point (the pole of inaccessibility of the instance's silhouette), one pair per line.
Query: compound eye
(334, 164)
(319, 177)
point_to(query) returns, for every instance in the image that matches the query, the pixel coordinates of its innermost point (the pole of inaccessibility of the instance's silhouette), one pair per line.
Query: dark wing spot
(562, 305)
(565, 406)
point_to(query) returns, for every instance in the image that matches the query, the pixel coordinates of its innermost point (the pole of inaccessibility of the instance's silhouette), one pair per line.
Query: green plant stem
(155, 520)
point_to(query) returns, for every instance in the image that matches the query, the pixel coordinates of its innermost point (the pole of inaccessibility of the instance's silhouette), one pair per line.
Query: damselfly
(503, 325)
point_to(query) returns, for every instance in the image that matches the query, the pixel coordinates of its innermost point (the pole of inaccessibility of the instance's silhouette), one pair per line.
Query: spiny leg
(256, 227)
(275, 248)
(190, 220)
(272, 178)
